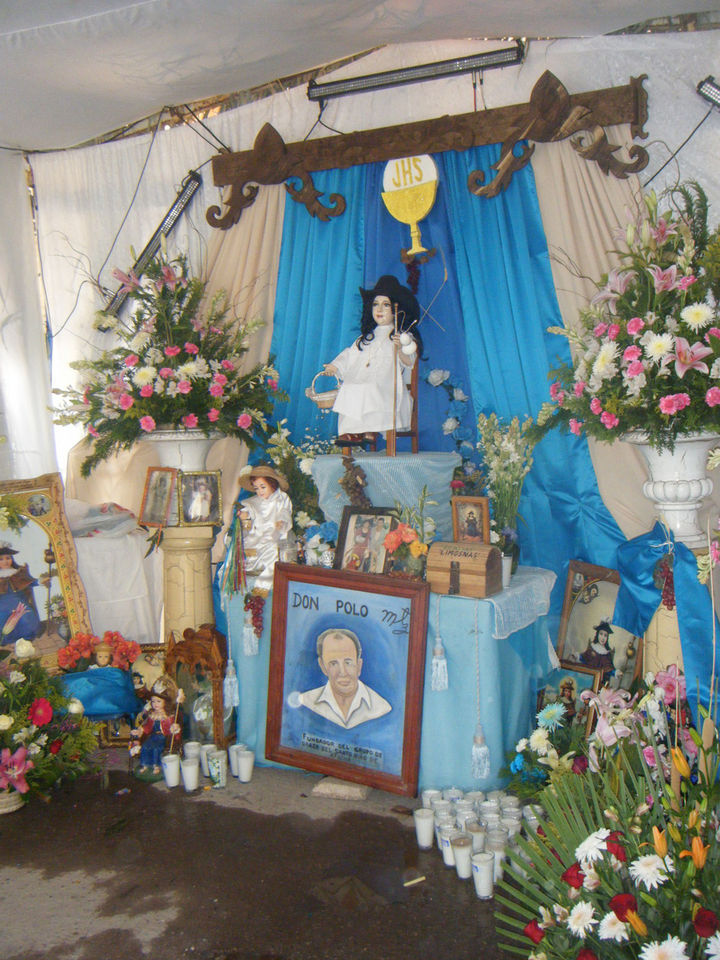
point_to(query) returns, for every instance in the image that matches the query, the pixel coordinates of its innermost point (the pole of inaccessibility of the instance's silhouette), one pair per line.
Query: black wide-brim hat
(604, 625)
(390, 287)
(6, 549)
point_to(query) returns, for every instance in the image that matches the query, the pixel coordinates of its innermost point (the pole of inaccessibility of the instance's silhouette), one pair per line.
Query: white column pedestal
(187, 578)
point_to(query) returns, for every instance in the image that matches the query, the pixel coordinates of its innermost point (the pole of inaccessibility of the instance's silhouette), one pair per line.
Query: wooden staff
(178, 700)
(391, 436)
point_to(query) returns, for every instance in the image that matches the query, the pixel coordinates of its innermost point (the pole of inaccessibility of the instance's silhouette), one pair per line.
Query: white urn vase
(185, 450)
(678, 484)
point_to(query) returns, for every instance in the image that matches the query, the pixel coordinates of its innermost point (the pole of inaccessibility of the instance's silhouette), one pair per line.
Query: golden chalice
(409, 188)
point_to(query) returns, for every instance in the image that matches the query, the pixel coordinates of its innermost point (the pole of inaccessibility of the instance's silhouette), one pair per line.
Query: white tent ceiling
(71, 70)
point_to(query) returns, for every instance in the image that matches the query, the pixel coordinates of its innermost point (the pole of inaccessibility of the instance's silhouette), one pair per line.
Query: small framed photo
(347, 664)
(157, 496)
(360, 546)
(587, 634)
(471, 519)
(199, 499)
(564, 685)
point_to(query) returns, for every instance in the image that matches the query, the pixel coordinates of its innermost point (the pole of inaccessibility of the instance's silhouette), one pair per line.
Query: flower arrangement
(507, 458)
(179, 365)
(408, 543)
(627, 862)
(647, 349)
(43, 735)
(81, 651)
(551, 751)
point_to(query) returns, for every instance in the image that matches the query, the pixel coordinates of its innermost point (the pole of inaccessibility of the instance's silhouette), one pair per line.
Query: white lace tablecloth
(525, 599)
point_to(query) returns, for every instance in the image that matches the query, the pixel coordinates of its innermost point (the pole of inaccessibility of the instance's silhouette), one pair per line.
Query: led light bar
(429, 71)
(710, 90)
(188, 187)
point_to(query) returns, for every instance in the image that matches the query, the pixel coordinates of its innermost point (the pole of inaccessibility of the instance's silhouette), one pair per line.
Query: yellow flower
(418, 549)
(697, 851)
(693, 818)
(679, 762)
(659, 842)
(636, 923)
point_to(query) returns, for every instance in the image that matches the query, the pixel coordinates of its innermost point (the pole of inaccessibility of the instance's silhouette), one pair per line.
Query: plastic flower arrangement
(80, 652)
(507, 459)
(407, 545)
(43, 736)
(647, 349)
(627, 862)
(179, 364)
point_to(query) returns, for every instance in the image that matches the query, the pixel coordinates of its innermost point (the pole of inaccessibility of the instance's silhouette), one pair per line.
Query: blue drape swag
(486, 323)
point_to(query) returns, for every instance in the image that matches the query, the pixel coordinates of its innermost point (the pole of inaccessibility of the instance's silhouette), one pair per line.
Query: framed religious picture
(587, 634)
(199, 498)
(42, 599)
(347, 662)
(157, 496)
(471, 519)
(565, 685)
(360, 545)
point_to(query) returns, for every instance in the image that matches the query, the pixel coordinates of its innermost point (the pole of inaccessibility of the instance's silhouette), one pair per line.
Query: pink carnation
(712, 332)
(227, 365)
(600, 329)
(147, 424)
(220, 378)
(92, 431)
(125, 401)
(131, 360)
(635, 325)
(682, 400)
(244, 421)
(712, 397)
(631, 353)
(184, 386)
(165, 372)
(146, 390)
(595, 406)
(667, 404)
(171, 351)
(213, 414)
(216, 390)
(613, 331)
(635, 369)
(575, 426)
(191, 348)
(579, 388)
(273, 384)
(190, 420)
(609, 420)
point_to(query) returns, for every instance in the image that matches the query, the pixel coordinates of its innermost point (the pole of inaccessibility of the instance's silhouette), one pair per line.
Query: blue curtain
(486, 323)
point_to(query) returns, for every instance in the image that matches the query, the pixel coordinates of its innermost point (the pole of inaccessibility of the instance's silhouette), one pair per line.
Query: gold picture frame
(157, 496)
(199, 498)
(34, 532)
(471, 519)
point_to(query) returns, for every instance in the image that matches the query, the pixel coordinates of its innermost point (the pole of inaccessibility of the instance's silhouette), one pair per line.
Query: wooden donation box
(466, 568)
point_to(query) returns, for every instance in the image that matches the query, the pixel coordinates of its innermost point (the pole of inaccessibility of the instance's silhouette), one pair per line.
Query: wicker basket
(323, 400)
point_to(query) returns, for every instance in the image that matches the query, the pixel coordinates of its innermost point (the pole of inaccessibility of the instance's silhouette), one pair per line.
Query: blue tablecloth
(492, 680)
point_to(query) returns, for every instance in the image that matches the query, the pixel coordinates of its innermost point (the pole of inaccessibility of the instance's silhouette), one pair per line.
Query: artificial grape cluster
(255, 604)
(665, 581)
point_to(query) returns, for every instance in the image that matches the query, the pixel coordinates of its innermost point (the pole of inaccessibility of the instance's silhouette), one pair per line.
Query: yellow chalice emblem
(409, 187)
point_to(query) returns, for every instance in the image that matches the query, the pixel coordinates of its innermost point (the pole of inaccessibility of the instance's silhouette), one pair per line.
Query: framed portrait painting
(157, 496)
(471, 519)
(360, 545)
(565, 685)
(347, 661)
(199, 498)
(587, 634)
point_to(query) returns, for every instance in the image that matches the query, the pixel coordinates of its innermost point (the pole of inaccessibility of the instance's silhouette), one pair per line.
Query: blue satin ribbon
(638, 598)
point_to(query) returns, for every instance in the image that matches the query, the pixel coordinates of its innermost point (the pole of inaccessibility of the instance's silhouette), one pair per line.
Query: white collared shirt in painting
(366, 705)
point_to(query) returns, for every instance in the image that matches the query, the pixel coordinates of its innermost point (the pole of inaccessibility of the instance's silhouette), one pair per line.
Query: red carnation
(621, 903)
(705, 922)
(456, 484)
(40, 712)
(574, 876)
(55, 746)
(615, 847)
(534, 931)
(586, 954)
(580, 765)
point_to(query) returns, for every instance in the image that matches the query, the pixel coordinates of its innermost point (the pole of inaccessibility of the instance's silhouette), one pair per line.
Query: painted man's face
(340, 664)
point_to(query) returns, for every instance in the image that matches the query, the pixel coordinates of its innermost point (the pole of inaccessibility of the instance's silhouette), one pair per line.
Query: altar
(498, 652)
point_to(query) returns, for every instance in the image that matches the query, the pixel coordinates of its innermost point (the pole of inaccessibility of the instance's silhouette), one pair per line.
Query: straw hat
(262, 470)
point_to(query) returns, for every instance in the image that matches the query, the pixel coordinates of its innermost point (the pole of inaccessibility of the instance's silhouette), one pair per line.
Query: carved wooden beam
(561, 115)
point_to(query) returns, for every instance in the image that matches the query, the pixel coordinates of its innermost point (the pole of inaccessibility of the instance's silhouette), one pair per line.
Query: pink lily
(129, 281)
(14, 618)
(662, 231)
(664, 279)
(617, 283)
(168, 279)
(690, 357)
(13, 768)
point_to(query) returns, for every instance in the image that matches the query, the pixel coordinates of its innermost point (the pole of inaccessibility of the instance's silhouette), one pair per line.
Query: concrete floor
(123, 870)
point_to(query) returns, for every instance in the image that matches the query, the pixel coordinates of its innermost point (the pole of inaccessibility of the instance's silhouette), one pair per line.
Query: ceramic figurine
(156, 728)
(266, 519)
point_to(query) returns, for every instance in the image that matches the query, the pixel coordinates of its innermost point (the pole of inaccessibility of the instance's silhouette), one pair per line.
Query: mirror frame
(16, 497)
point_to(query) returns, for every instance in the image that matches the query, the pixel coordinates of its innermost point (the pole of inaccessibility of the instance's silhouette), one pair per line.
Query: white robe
(271, 521)
(364, 402)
